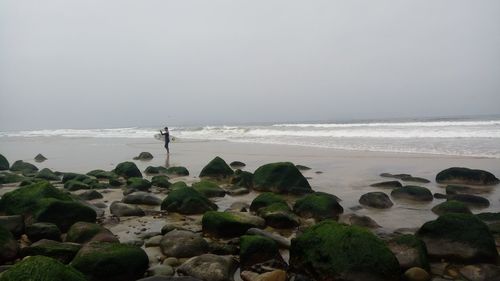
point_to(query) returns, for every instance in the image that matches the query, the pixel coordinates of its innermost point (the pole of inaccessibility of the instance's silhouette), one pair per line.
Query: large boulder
(41, 268)
(209, 189)
(160, 181)
(458, 175)
(451, 206)
(229, 224)
(279, 215)
(281, 177)
(83, 232)
(138, 184)
(459, 237)
(183, 244)
(209, 267)
(332, 251)
(14, 224)
(470, 200)
(265, 199)
(256, 249)
(63, 252)
(242, 179)
(47, 174)
(377, 200)
(411, 192)
(178, 171)
(318, 205)
(41, 202)
(452, 189)
(8, 246)
(410, 251)
(187, 200)
(143, 198)
(217, 168)
(4, 163)
(128, 170)
(101, 261)
(25, 167)
(43, 230)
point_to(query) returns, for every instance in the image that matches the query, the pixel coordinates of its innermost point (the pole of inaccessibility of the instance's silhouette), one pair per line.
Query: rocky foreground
(57, 226)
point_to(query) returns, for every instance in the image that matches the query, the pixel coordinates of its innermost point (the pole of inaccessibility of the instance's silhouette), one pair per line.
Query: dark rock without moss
(63, 252)
(144, 156)
(83, 232)
(128, 170)
(14, 224)
(488, 216)
(265, 199)
(4, 163)
(331, 251)
(459, 237)
(410, 192)
(101, 261)
(237, 164)
(40, 158)
(359, 220)
(282, 177)
(209, 189)
(187, 200)
(43, 230)
(125, 210)
(8, 246)
(302, 168)
(451, 206)
(142, 198)
(177, 171)
(90, 195)
(183, 244)
(378, 200)
(387, 184)
(25, 167)
(242, 179)
(458, 175)
(256, 249)
(470, 200)
(210, 267)
(217, 168)
(41, 269)
(229, 224)
(318, 205)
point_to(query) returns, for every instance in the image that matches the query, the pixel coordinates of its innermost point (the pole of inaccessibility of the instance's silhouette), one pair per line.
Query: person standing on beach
(167, 138)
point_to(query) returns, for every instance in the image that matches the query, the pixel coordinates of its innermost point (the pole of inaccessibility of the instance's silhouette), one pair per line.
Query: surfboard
(161, 137)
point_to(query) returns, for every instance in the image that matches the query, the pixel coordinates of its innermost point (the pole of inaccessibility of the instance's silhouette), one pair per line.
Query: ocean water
(479, 138)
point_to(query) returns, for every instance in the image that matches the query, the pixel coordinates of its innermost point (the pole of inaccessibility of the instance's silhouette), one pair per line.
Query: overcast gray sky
(98, 64)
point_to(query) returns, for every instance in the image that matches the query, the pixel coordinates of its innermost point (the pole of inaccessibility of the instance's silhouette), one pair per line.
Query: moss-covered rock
(41, 268)
(4, 163)
(183, 244)
(459, 175)
(8, 246)
(187, 200)
(78, 177)
(101, 261)
(83, 232)
(489, 216)
(101, 174)
(44, 203)
(470, 200)
(452, 189)
(377, 200)
(128, 170)
(25, 167)
(411, 192)
(256, 249)
(160, 181)
(144, 156)
(451, 206)
(90, 195)
(242, 179)
(47, 174)
(459, 237)
(217, 168)
(155, 170)
(318, 205)
(138, 184)
(74, 185)
(43, 230)
(265, 199)
(178, 185)
(63, 252)
(332, 251)
(178, 171)
(209, 189)
(6, 177)
(142, 198)
(229, 224)
(279, 215)
(410, 251)
(281, 177)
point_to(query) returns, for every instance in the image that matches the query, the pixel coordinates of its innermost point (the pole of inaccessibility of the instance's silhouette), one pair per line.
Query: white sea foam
(469, 138)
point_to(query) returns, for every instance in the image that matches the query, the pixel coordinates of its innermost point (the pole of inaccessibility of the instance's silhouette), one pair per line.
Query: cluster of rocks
(50, 229)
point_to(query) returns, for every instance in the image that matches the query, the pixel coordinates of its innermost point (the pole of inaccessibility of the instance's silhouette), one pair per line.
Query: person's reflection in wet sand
(167, 161)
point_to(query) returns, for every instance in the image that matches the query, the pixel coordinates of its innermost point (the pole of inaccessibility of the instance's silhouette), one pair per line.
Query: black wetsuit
(167, 139)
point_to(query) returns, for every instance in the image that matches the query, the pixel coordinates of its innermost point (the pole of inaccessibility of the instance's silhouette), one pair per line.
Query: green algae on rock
(331, 251)
(128, 170)
(451, 206)
(8, 246)
(43, 269)
(265, 199)
(4, 163)
(256, 249)
(281, 177)
(229, 224)
(460, 175)
(187, 200)
(160, 181)
(177, 171)
(318, 205)
(217, 168)
(209, 189)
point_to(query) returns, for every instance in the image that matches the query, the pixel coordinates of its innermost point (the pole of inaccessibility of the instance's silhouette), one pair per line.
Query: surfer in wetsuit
(167, 138)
